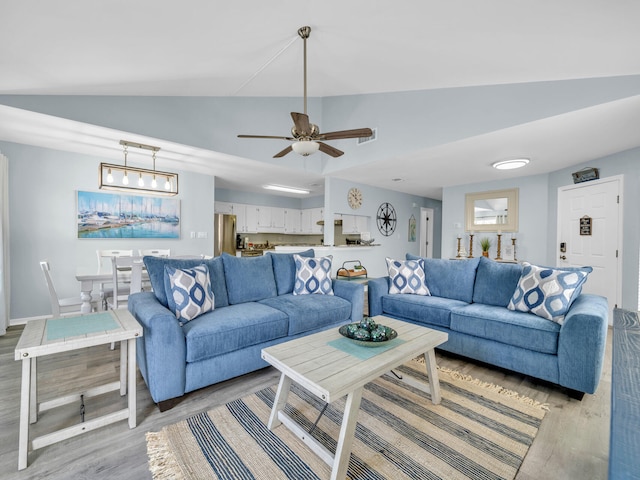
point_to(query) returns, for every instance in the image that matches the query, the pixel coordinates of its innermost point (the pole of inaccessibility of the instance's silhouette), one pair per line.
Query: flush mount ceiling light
(127, 178)
(282, 188)
(510, 164)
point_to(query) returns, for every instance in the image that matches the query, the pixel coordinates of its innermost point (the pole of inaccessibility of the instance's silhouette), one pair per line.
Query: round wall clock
(354, 197)
(386, 219)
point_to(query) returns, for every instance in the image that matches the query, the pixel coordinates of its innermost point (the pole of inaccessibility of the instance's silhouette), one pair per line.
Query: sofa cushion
(406, 277)
(313, 275)
(161, 285)
(548, 292)
(231, 328)
(249, 279)
(449, 278)
(309, 312)
(429, 310)
(191, 293)
(284, 269)
(495, 282)
(519, 329)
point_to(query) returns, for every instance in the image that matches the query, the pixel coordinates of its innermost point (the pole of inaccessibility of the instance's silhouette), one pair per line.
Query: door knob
(563, 257)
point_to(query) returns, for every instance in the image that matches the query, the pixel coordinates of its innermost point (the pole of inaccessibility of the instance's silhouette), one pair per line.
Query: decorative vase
(485, 254)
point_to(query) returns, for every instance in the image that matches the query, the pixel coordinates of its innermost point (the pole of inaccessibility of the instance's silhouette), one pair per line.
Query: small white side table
(56, 335)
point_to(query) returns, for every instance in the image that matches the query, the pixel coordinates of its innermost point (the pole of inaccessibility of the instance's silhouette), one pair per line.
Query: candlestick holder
(470, 245)
(498, 257)
(458, 254)
(513, 242)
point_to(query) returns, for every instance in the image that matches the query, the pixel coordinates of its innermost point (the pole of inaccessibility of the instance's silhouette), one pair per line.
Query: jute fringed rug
(478, 431)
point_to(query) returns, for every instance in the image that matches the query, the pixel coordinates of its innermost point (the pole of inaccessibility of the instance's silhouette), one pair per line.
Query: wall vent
(363, 140)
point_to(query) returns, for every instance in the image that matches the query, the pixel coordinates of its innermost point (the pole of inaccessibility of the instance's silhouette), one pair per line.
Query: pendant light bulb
(154, 182)
(125, 179)
(140, 180)
(167, 184)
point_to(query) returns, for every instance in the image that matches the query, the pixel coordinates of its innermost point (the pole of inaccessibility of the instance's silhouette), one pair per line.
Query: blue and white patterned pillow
(407, 276)
(548, 292)
(313, 275)
(191, 293)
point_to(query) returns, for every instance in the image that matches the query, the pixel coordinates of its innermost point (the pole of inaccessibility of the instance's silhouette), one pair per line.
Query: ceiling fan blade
(266, 136)
(301, 122)
(329, 150)
(283, 152)
(355, 133)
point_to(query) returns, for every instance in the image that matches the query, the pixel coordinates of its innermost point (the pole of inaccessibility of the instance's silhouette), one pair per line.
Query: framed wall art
(108, 215)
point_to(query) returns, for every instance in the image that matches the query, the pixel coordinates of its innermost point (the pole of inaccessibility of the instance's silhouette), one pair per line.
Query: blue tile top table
(65, 334)
(624, 445)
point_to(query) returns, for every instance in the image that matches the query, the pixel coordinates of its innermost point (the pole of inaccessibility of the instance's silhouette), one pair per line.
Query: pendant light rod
(304, 33)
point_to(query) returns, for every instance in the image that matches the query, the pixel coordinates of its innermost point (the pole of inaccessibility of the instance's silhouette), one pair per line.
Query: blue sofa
(254, 308)
(469, 301)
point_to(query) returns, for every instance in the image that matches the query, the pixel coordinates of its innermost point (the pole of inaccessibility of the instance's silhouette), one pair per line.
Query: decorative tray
(367, 333)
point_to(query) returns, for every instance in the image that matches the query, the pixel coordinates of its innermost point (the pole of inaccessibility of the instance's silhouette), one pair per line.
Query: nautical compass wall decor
(386, 219)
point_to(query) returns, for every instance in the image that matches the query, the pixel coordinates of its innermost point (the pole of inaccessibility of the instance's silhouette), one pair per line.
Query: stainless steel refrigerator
(224, 234)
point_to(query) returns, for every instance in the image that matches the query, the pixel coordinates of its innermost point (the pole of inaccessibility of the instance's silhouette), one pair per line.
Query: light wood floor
(573, 441)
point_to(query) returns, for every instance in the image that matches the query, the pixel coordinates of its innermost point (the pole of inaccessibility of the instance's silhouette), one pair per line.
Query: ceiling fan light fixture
(510, 164)
(305, 147)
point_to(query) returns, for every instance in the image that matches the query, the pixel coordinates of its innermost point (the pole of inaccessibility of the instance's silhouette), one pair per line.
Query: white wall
(396, 245)
(43, 185)
(531, 238)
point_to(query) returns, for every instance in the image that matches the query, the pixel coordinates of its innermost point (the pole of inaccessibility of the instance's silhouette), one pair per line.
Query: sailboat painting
(107, 215)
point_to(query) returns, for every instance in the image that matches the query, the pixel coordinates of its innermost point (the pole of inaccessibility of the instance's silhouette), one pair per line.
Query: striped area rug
(478, 431)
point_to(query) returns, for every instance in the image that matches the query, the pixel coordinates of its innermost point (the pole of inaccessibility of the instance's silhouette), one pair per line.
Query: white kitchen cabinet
(223, 207)
(354, 224)
(292, 221)
(271, 219)
(309, 221)
(246, 218)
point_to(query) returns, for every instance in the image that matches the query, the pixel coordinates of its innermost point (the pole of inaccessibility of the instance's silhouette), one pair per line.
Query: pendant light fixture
(116, 177)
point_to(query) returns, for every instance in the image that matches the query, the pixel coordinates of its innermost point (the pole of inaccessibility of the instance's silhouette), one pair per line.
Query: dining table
(89, 277)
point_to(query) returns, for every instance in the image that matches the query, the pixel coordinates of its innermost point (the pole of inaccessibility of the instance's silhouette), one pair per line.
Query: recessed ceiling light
(282, 188)
(511, 164)
(397, 179)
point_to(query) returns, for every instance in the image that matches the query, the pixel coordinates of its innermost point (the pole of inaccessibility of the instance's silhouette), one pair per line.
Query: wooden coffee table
(55, 335)
(322, 365)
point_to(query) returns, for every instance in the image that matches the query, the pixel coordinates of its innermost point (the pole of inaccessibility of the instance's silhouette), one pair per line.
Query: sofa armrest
(582, 342)
(354, 293)
(377, 288)
(162, 358)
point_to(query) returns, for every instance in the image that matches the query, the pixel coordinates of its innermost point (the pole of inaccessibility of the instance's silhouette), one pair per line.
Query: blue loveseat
(254, 308)
(469, 301)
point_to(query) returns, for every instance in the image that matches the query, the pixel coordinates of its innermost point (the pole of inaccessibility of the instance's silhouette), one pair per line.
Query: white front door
(426, 232)
(589, 233)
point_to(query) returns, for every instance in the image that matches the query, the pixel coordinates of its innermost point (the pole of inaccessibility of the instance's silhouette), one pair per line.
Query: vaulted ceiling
(357, 48)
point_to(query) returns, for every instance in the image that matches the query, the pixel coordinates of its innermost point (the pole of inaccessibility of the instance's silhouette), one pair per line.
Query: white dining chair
(120, 266)
(63, 305)
(155, 252)
(105, 257)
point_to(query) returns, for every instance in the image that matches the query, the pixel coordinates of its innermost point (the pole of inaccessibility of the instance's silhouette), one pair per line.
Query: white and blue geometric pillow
(548, 292)
(313, 275)
(191, 293)
(407, 276)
